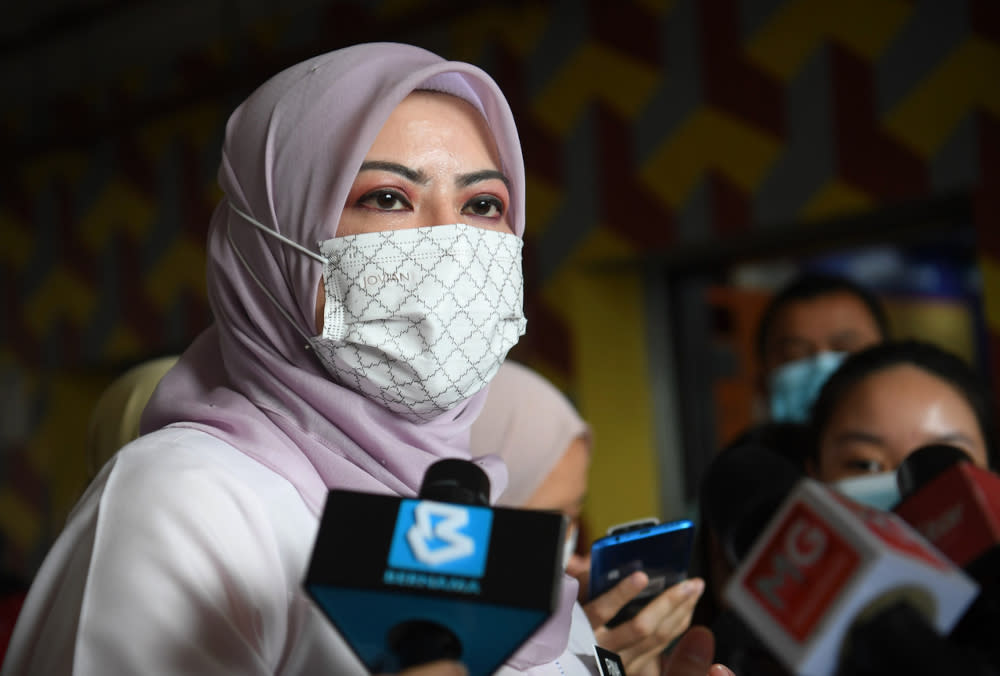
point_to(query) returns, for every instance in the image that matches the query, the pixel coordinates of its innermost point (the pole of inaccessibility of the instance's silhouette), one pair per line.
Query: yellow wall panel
(518, 28)
(948, 323)
(657, 6)
(196, 125)
(600, 246)
(124, 345)
(19, 522)
(800, 27)
(68, 166)
(606, 316)
(182, 267)
(594, 72)
(61, 296)
(707, 141)
(18, 242)
(614, 395)
(968, 79)
(833, 199)
(120, 207)
(543, 200)
(990, 267)
(58, 450)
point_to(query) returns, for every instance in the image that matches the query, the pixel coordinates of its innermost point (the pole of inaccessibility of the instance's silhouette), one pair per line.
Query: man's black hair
(808, 286)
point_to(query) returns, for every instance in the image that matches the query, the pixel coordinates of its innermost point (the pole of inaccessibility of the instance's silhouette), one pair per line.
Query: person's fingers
(643, 665)
(719, 670)
(669, 613)
(693, 655)
(641, 640)
(579, 567)
(604, 607)
(650, 667)
(655, 626)
(684, 592)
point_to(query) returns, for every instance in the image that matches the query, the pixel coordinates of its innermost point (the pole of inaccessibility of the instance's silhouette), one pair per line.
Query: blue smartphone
(662, 550)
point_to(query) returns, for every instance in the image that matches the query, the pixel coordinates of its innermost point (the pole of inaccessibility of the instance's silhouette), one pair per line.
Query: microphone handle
(898, 639)
(418, 642)
(979, 629)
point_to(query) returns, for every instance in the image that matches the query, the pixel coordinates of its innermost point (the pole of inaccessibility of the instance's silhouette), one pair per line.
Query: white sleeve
(171, 564)
(577, 660)
(157, 574)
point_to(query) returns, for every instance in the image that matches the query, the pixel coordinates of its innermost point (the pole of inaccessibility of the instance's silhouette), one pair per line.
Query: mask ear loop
(246, 265)
(276, 235)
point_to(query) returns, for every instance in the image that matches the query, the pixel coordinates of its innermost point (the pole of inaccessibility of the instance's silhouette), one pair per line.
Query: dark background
(683, 158)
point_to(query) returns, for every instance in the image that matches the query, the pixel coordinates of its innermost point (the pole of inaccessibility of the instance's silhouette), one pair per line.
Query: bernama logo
(450, 583)
(439, 539)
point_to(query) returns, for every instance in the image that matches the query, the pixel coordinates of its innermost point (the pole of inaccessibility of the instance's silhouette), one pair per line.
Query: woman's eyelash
(391, 199)
(867, 465)
(489, 201)
(383, 198)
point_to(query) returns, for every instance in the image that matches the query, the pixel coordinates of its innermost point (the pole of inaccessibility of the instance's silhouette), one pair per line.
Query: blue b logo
(441, 537)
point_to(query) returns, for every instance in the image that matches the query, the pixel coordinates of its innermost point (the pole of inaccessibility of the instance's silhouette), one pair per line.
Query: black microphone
(898, 639)
(956, 506)
(407, 581)
(741, 490)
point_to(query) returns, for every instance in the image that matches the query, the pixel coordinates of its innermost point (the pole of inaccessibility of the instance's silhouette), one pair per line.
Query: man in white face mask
(807, 329)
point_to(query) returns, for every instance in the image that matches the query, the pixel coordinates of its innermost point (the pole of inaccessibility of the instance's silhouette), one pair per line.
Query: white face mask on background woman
(879, 490)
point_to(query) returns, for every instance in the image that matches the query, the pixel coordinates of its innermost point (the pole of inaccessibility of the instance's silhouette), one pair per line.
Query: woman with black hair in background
(889, 400)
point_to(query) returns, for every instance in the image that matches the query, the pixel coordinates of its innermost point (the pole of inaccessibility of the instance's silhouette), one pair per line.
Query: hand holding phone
(661, 550)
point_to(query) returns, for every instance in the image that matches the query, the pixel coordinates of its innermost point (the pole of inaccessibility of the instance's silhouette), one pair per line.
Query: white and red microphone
(824, 563)
(956, 506)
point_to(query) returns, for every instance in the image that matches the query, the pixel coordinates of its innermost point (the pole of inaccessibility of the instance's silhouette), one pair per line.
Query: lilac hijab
(529, 423)
(290, 155)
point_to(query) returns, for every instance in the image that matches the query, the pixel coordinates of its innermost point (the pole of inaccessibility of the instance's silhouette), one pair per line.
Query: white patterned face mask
(418, 320)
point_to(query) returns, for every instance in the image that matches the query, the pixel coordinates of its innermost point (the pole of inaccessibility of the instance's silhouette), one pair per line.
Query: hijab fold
(529, 424)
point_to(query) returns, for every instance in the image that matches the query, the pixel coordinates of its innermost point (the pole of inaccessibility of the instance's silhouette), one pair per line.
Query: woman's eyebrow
(465, 180)
(953, 436)
(849, 436)
(412, 175)
(417, 176)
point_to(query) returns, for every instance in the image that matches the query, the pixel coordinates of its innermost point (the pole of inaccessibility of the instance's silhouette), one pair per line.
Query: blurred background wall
(683, 158)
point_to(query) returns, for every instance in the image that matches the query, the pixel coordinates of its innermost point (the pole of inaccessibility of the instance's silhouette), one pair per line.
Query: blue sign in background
(460, 549)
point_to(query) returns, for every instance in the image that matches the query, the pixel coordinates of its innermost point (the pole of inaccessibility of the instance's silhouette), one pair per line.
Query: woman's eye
(484, 206)
(865, 466)
(384, 200)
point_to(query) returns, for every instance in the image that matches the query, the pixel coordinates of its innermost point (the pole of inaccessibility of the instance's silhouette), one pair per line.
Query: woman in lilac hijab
(351, 348)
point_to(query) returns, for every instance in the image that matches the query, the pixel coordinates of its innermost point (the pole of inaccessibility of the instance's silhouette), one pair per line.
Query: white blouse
(186, 556)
